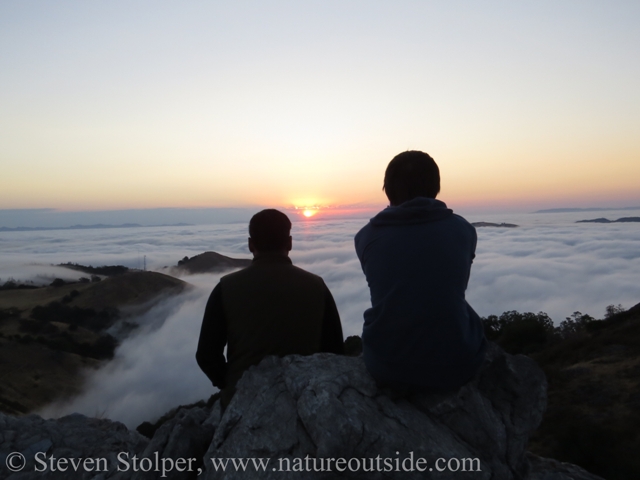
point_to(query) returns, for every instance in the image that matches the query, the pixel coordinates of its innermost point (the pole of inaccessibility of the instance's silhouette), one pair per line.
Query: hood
(418, 210)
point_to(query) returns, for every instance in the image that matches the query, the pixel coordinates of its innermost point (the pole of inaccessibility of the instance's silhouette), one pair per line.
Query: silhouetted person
(420, 333)
(268, 308)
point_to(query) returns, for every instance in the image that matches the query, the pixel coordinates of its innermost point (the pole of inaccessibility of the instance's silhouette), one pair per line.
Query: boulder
(299, 412)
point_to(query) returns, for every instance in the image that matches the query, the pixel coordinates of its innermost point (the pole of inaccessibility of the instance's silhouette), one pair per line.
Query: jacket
(269, 308)
(420, 332)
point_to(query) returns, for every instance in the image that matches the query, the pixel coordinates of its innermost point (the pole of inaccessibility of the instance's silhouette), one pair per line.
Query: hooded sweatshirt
(420, 332)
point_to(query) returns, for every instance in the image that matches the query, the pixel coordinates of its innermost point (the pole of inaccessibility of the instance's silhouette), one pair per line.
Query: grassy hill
(593, 369)
(49, 335)
(127, 290)
(593, 415)
(208, 262)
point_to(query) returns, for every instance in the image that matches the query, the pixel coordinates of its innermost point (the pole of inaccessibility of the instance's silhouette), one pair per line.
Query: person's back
(268, 308)
(272, 308)
(420, 332)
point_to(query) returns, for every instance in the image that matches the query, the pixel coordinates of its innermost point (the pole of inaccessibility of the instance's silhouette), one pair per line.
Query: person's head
(269, 232)
(409, 175)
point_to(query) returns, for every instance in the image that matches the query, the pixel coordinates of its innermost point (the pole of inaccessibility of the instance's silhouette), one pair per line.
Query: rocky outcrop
(328, 407)
(39, 442)
(186, 435)
(298, 417)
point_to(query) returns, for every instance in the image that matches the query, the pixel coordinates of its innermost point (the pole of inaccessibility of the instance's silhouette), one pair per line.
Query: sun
(307, 210)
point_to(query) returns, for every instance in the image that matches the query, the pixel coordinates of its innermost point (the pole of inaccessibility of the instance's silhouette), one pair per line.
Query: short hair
(409, 175)
(269, 230)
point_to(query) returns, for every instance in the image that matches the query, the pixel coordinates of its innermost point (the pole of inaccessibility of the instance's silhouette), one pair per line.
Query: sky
(114, 105)
(548, 264)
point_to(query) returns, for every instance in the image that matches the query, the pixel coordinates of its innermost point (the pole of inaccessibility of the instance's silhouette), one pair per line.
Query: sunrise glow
(264, 114)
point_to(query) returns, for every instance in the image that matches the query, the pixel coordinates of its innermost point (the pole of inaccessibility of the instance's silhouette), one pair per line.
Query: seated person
(420, 334)
(268, 308)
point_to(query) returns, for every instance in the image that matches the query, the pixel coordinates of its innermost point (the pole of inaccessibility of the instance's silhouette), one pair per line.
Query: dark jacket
(420, 332)
(268, 308)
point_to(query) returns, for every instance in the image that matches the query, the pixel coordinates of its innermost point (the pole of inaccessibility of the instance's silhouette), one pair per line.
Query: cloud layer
(153, 371)
(555, 266)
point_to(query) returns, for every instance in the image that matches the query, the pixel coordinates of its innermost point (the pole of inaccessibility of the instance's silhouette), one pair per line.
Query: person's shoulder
(363, 233)
(237, 275)
(462, 224)
(306, 275)
(461, 220)
(366, 228)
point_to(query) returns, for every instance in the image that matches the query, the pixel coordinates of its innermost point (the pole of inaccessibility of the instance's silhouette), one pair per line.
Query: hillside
(208, 262)
(49, 335)
(127, 290)
(593, 370)
(593, 416)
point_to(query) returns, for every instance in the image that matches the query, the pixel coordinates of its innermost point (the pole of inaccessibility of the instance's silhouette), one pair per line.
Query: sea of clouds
(549, 263)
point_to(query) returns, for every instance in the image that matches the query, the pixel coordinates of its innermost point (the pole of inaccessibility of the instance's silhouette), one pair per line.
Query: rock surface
(550, 469)
(329, 407)
(74, 436)
(294, 411)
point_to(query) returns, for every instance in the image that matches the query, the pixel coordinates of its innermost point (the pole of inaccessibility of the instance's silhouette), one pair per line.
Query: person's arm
(213, 338)
(332, 340)
(474, 241)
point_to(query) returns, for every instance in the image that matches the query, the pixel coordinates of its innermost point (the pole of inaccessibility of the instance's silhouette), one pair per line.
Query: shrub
(72, 294)
(83, 317)
(10, 284)
(612, 310)
(103, 348)
(107, 270)
(31, 326)
(519, 332)
(353, 346)
(9, 313)
(575, 324)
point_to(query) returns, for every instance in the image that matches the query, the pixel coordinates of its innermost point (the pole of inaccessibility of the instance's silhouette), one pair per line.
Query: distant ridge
(490, 224)
(591, 209)
(88, 227)
(606, 220)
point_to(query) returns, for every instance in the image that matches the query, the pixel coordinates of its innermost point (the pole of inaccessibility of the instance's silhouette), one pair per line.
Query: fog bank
(556, 267)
